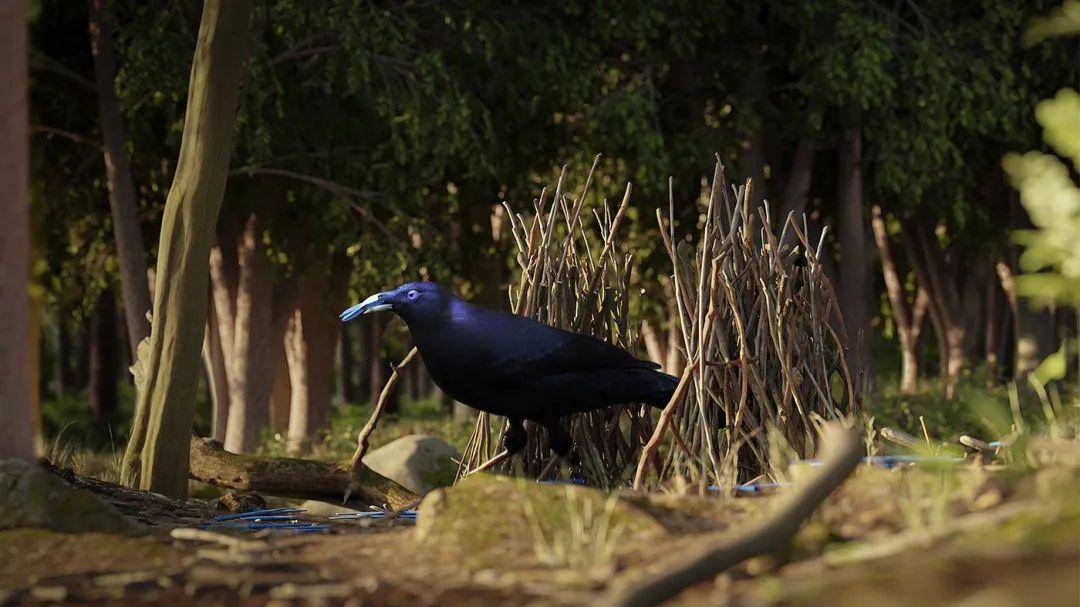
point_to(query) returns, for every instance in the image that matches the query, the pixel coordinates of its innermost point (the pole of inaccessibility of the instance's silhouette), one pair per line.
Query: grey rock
(419, 462)
(31, 496)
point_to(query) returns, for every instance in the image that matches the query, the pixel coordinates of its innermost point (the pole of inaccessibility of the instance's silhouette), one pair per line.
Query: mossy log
(301, 478)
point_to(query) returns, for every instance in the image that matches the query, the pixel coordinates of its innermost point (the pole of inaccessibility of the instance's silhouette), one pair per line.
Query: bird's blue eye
(412, 294)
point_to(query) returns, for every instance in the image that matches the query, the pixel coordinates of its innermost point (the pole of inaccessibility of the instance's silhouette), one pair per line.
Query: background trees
(376, 143)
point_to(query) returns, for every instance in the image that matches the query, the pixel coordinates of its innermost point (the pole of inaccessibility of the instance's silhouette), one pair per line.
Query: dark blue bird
(514, 366)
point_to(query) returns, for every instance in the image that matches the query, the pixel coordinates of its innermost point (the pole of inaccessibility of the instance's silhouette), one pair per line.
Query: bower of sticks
(759, 335)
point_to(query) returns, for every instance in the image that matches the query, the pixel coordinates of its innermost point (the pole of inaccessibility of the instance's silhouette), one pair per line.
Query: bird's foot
(559, 442)
(515, 438)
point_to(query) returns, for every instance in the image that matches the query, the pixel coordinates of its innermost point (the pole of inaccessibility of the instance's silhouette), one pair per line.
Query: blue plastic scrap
(272, 518)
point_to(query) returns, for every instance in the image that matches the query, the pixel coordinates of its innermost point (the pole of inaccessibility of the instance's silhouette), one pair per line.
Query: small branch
(717, 555)
(40, 60)
(376, 414)
(48, 130)
(499, 458)
(649, 451)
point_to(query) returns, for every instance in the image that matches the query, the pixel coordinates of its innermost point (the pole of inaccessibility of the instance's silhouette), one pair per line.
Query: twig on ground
(842, 448)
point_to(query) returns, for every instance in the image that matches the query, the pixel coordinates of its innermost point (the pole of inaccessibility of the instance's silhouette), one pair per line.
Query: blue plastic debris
(406, 515)
(574, 480)
(258, 514)
(271, 518)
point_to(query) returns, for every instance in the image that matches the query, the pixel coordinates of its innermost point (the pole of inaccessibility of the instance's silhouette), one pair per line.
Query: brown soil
(1023, 559)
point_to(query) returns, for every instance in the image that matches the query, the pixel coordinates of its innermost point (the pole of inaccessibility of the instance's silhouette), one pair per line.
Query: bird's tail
(663, 387)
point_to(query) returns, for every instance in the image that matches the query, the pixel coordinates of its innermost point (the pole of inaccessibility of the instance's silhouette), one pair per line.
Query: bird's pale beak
(371, 304)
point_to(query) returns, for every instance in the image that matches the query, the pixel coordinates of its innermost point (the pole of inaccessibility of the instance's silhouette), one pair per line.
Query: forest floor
(967, 534)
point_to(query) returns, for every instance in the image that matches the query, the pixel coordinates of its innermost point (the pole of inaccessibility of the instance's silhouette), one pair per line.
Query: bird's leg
(515, 437)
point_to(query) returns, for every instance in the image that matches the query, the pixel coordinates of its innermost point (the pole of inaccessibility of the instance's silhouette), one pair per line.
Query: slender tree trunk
(16, 398)
(104, 358)
(157, 456)
(375, 362)
(62, 362)
(346, 384)
(282, 393)
(655, 346)
(855, 293)
(217, 377)
(797, 190)
(122, 199)
(902, 313)
(996, 313)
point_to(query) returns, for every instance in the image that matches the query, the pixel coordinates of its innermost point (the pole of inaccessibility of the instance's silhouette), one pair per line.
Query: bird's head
(410, 301)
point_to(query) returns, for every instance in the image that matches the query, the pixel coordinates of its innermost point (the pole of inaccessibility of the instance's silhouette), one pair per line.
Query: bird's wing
(528, 348)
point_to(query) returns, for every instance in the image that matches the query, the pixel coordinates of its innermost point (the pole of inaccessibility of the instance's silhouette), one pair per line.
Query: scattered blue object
(257, 514)
(271, 518)
(407, 515)
(574, 480)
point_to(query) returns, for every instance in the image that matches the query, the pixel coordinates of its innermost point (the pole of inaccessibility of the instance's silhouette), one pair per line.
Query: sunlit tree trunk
(157, 456)
(16, 399)
(281, 395)
(902, 312)
(855, 293)
(217, 377)
(122, 200)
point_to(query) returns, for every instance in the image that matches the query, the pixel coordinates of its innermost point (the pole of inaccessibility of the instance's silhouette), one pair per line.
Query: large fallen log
(300, 478)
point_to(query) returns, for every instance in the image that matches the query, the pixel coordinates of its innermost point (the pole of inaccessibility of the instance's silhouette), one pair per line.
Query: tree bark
(902, 313)
(104, 358)
(262, 310)
(346, 383)
(16, 392)
(287, 477)
(122, 199)
(310, 351)
(797, 189)
(995, 311)
(281, 395)
(157, 456)
(938, 274)
(376, 363)
(217, 378)
(854, 289)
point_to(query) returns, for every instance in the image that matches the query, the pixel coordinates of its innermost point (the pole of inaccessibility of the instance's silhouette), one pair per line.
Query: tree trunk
(122, 199)
(157, 456)
(62, 362)
(217, 377)
(902, 313)
(346, 383)
(310, 352)
(996, 312)
(282, 394)
(262, 310)
(376, 371)
(16, 398)
(104, 358)
(855, 294)
(797, 189)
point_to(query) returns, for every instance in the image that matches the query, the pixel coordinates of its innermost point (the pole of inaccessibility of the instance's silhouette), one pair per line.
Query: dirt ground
(993, 539)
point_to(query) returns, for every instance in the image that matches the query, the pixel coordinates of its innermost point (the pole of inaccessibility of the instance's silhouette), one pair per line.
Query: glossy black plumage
(515, 366)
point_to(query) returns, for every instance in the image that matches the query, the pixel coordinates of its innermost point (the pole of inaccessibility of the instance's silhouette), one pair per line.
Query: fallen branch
(842, 450)
(291, 477)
